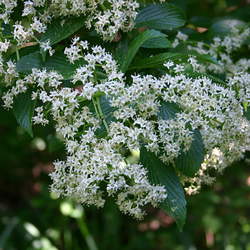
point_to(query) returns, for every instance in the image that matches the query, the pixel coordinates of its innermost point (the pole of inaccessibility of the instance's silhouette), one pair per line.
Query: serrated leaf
(107, 111)
(160, 59)
(160, 42)
(58, 31)
(136, 44)
(168, 110)
(189, 162)
(28, 62)
(155, 61)
(160, 16)
(60, 63)
(57, 62)
(161, 174)
(23, 110)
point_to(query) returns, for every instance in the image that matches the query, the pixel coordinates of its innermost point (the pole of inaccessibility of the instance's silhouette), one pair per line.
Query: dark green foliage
(134, 46)
(106, 116)
(56, 62)
(27, 62)
(168, 110)
(23, 111)
(247, 113)
(159, 59)
(224, 26)
(189, 162)
(59, 31)
(161, 174)
(160, 17)
(157, 43)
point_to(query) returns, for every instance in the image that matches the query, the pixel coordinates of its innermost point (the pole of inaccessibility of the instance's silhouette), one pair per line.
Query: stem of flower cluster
(17, 54)
(101, 114)
(86, 234)
(98, 110)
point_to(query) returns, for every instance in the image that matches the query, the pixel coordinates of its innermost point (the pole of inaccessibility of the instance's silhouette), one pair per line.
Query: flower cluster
(95, 167)
(233, 135)
(100, 116)
(221, 49)
(106, 16)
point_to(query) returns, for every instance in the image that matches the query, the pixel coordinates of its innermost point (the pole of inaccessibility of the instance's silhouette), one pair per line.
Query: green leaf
(28, 62)
(156, 61)
(247, 113)
(201, 21)
(57, 32)
(121, 51)
(160, 16)
(54, 143)
(6, 231)
(58, 62)
(161, 174)
(189, 162)
(194, 74)
(136, 44)
(168, 110)
(6, 29)
(23, 110)
(107, 111)
(224, 27)
(160, 59)
(242, 13)
(202, 58)
(157, 43)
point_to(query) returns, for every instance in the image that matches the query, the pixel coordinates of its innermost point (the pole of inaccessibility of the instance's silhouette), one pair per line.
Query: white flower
(38, 118)
(4, 46)
(101, 113)
(45, 46)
